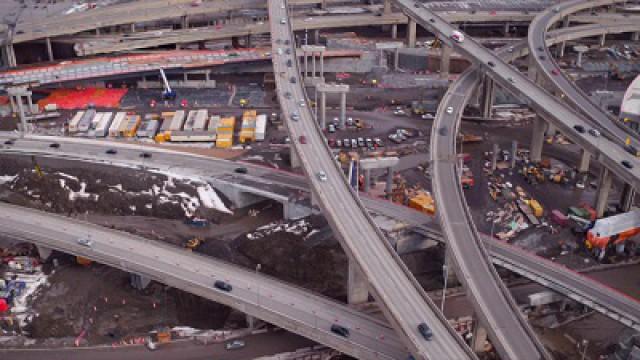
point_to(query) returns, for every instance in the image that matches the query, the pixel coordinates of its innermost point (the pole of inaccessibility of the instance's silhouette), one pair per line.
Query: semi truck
(612, 231)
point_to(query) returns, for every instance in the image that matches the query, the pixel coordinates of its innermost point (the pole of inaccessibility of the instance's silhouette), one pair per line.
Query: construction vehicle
(423, 202)
(244, 102)
(193, 243)
(167, 93)
(37, 167)
(535, 207)
(612, 231)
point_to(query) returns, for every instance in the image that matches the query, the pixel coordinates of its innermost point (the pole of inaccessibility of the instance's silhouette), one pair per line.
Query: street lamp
(445, 273)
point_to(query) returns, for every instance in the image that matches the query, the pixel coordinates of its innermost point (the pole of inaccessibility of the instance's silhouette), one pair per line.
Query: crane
(168, 93)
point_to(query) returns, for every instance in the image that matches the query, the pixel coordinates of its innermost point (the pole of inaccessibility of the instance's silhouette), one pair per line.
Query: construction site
(319, 179)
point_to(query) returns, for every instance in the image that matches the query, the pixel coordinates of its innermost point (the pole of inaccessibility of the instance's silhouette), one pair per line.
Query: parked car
(221, 285)
(339, 143)
(234, 345)
(354, 143)
(346, 143)
(378, 142)
(331, 128)
(361, 142)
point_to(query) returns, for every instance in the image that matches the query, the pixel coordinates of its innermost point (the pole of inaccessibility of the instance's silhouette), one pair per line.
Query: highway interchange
(393, 287)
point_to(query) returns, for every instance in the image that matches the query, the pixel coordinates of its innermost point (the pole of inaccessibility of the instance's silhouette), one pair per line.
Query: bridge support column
(358, 291)
(367, 180)
(250, 322)
(603, 39)
(387, 6)
(561, 49)
(389, 185)
(585, 158)
(49, 48)
(316, 37)
(514, 153)
(627, 197)
(295, 159)
(396, 59)
(139, 282)
(603, 192)
(11, 56)
(343, 109)
(44, 252)
(479, 337)
(537, 139)
(488, 96)
(445, 57)
(323, 109)
(185, 22)
(531, 69)
(411, 33)
(394, 31)
(494, 157)
(635, 36)
(551, 129)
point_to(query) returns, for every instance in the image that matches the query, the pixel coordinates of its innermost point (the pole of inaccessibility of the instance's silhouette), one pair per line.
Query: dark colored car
(9, 142)
(579, 128)
(631, 150)
(425, 331)
(111, 151)
(491, 63)
(54, 145)
(542, 57)
(292, 80)
(340, 330)
(303, 139)
(240, 170)
(289, 63)
(221, 285)
(443, 131)
(145, 155)
(627, 164)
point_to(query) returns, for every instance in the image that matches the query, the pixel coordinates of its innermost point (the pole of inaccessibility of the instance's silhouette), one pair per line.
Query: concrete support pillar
(30, 102)
(537, 139)
(343, 110)
(139, 282)
(411, 33)
(635, 36)
(322, 65)
(603, 192)
(561, 49)
(389, 186)
(185, 22)
(247, 41)
(313, 65)
(23, 120)
(367, 180)
(306, 65)
(186, 76)
(445, 58)
(14, 107)
(603, 39)
(44, 252)
(585, 157)
(387, 6)
(531, 69)
(551, 129)
(579, 60)
(494, 157)
(627, 197)
(133, 27)
(98, 31)
(316, 36)
(514, 153)
(49, 48)
(11, 56)
(357, 292)
(250, 322)
(396, 59)
(394, 31)
(295, 159)
(479, 337)
(506, 29)
(488, 96)
(323, 110)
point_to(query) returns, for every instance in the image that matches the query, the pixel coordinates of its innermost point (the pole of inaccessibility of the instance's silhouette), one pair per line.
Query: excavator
(193, 243)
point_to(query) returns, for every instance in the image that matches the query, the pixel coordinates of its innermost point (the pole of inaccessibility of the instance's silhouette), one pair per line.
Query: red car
(555, 72)
(303, 139)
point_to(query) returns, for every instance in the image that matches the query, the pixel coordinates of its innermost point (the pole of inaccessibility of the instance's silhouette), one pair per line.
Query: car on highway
(449, 110)
(221, 285)
(145, 155)
(9, 142)
(542, 57)
(279, 51)
(289, 63)
(443, 131)
(322, 176)
(425, 331)
(627, 164)
(302, 139)
(287, 95)
(511, 80)
(594, 133)
(340, 330)
(491, 63)
(579, 128)
(234, 345)
(432, 20)
(631, 150)
(555, 72)
(301, 103)
(540, 48)
(85, 242)
(295, 116)
(240, 170)
(283, 21)
(292, 79)
(349, 121)
(54, 145)
(111, 151)
(457, 36)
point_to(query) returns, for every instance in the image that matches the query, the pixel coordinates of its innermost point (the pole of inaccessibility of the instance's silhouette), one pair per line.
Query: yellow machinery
(193, 244)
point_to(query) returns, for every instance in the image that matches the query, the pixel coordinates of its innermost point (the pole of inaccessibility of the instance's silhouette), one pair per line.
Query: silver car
(322, 176)
(85, 242)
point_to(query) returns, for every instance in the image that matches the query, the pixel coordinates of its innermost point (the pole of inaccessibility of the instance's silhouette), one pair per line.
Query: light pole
(493, 224)
(258, 268)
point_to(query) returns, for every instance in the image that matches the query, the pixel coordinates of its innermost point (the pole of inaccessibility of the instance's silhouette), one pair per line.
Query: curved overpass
(545, 64)
(455, 217)
(399, 295)
(271, 300)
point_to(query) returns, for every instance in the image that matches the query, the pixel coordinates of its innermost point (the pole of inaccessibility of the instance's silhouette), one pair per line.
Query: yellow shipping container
(536, 207)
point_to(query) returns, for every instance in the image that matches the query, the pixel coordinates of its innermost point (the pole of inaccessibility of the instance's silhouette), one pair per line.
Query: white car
(450, 110)
(322, 176)
(85, 242)
(283, 21)
(457, 36)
